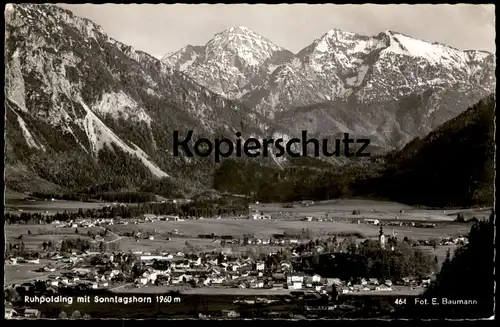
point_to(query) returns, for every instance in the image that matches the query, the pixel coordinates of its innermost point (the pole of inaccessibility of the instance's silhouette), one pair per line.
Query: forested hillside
(451, 167)
(467, 274)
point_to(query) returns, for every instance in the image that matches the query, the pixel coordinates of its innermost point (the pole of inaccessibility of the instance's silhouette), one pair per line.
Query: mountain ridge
(352, 71)
(84, 109)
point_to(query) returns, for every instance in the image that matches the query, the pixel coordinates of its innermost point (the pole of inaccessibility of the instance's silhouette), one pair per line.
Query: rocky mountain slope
(390, 87)
(74, 96)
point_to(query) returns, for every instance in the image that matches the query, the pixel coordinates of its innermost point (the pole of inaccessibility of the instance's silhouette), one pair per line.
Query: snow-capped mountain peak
(231, 61)
(358, 70)
(243, 43)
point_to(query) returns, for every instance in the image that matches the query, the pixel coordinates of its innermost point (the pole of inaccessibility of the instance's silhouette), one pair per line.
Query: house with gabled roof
(9, 313)
(383, 288)
(32, 313)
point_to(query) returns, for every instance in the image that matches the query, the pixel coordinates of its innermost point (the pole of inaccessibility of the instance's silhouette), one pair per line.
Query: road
(40, 276)
(116, 239)
(121, 286)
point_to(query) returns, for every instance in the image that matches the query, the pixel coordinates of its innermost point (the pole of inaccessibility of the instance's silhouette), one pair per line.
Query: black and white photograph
(249, 161)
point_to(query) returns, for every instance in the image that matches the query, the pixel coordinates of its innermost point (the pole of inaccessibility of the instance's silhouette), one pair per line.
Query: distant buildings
(9, 313)
(256, 216)
(372, 221)
(230, 314)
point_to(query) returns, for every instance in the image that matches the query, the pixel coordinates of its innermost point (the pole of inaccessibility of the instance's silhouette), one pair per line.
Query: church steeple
(381, 237)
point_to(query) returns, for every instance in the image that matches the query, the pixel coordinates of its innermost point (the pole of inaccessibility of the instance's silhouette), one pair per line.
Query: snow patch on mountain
(434, 53)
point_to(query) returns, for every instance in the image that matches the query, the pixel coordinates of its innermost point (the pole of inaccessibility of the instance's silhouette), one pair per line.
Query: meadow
(190, 229)
(34, 235)
(266, 228)
(341, 211)
(367, 209)
(20, 273)
(15, 202)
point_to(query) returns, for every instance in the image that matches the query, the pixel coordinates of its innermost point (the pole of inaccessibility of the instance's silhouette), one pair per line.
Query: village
(137, 271)
(94, 270)
(276, 265)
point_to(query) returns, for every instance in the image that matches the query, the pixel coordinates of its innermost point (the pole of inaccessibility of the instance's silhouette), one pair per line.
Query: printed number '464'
(400, 301)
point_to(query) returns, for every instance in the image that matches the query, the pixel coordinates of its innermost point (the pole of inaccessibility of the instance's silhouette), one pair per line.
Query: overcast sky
(158, 29)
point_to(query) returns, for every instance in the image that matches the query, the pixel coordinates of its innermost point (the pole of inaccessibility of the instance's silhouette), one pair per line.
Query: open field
(16, 230)
(337, 209)
(20, 273)
(288, 222)
(34, 242)
(41, 233)
(265, 228)
(15, 201)
(192, 228)
(51, 207)
(368, 209)
(239, 227)
(174, 244)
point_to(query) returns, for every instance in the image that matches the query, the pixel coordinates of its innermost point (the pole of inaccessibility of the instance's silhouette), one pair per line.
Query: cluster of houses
(305, 203)
(172, 269)
(93, 222)
(84, 223)
(373, 284)
(454, 241)
(95, 270)
(211, 270)
(400, 223)
(208, 270)
(457, 240)
(76, 273)
(258, 216)
(203, 270)
(214, 270)
(27, 313)
(258, 241)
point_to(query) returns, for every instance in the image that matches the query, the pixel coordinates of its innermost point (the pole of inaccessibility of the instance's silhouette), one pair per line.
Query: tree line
(198, 208)
(369, 260)
(468, 273)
